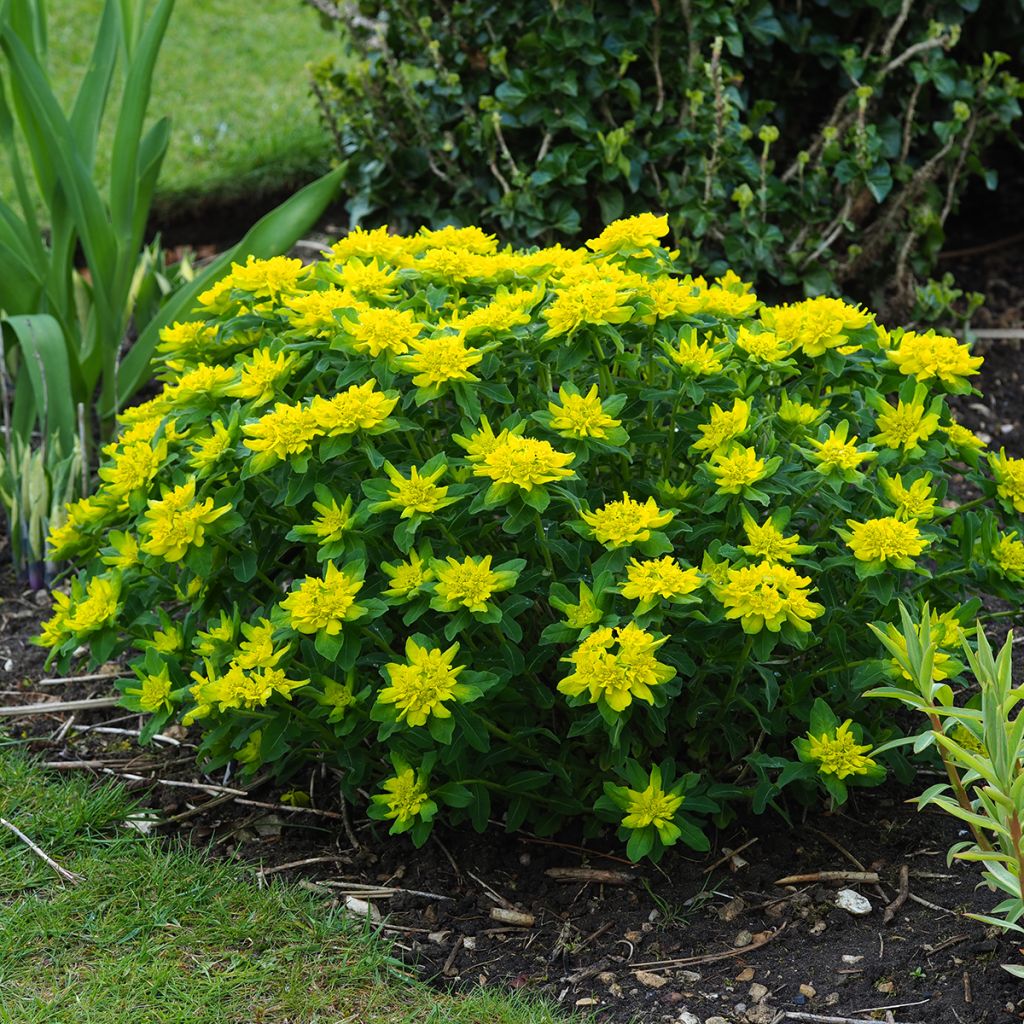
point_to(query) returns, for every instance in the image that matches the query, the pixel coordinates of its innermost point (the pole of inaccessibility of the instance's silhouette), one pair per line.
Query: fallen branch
(377, 892)
(339, 859)
(820, 1018)
(206, 787)
(665, 965)
(93, 677)
(58, 706)
(67, 876)
(830, 876)
(598, 875)
(901, 896)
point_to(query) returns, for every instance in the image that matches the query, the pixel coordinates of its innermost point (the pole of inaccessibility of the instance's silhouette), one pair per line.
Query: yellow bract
(839, 754)
(620, 523)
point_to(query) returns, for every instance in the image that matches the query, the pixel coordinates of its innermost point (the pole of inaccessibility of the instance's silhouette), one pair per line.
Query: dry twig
(56, 707)
(590, 875)
(901, 896)
(67, 876)
(830, 876)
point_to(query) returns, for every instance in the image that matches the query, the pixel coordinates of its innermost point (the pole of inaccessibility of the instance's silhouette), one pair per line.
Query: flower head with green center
(815, 325)
(373, 331)
(125, 550)
(367, 279)
(360, 407)
(616, 677)
(631, 236)
(736, 469)
(470, 584)
(963, 439)
(907, 425)
(288, 430)
(914, 502)
(415, 494)
(95, 607)
(619, 524)
(168, 640)
(582, 613)
(581, 416)
(838, 753)
(1009, 477)
(483, 440)
(325, 604)
(653, 806)
(314, 313)
(408, 578)
(209, 450)
(801, 414)
(200, 385)
(262, 375)
(698, 358)
(257, 650)
(420, 687)
(934, 356)
(767, 542)
(268, 279)
(767, 596)
(763, 346)
(177, 522)
(838, 457)
(1008, 556)
(439, 361)
(942, 662)
(659, 579)
(725, 425)
(131, 470)
(885, 541)
(522, 462)
(405, 800)
(588, 302)
(332, 522)
(218, 639)
(154, 693)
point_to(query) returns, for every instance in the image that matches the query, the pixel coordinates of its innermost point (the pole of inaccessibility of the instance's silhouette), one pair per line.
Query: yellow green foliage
(536, 533)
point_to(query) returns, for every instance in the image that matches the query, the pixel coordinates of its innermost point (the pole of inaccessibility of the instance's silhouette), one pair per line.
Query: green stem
(543, 541)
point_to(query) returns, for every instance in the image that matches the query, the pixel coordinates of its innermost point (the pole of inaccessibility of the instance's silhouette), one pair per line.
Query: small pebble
(747, 974)
(808, 990)
(848, 958)
(649, 979)
(744, 938)
(606, 977)
(853, 902)
(692, 977)
(685, 1017)
(715, 1020)
(758, 991)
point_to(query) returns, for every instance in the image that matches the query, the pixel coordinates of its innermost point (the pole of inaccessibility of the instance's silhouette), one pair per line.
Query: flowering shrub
(548, 534)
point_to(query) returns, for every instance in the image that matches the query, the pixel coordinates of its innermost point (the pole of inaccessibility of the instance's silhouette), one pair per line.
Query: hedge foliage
(807, 144)
(546, 534)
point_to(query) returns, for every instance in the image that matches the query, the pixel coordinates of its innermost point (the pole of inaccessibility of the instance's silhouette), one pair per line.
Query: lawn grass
(231, 75)
(164, 935)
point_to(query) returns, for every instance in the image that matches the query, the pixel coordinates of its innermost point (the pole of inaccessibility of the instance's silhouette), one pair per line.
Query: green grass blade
(125, 158)
(274, 233)
(91, 101)
(44, 376)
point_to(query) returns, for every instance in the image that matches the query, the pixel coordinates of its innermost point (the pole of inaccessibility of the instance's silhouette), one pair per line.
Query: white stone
(853, 902)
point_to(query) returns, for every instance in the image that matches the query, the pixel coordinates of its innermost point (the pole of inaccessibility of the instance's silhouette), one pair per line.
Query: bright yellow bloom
(405, 796)
(736, 468)
(659, 578)
(1008, 554)
(962, 438)
(886, 540)
(837, 454)
(84, 514)
(767, 596)
(523, 462)
(96, 608)
(168, 641)
(1009, 477)
(324, 604)
(440, 360)
(729, 298)
(472, 239)
(126, 551)
(483, 441)
(767, 543)
(155, 692)
(941, 663)
(360, 407)
(208, 451)
(913, 502)
(580, 416)
(288, 430)
(217, 639)
(724, 426)
(189, 340)
(653, 806)
(697, 357)
(257, 650)
(262, 374)
(237, 688)
(314, 312)
(332, 522)
(469, 584)
(407, 578)
(269, 279)
(636, 236)
(619, 523)
(374, 331)
(131, 470)
(586, 612)
(504, 312)
(930, 355)
(617, 677)
(420, 687)
(799, 413)
(906, 425)
(840, 754)
(415, 494)
(377, 243)
(199, 384)
(177, 522)
(764, 346)
(589, 302)
(368, 279)
(815, 325)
